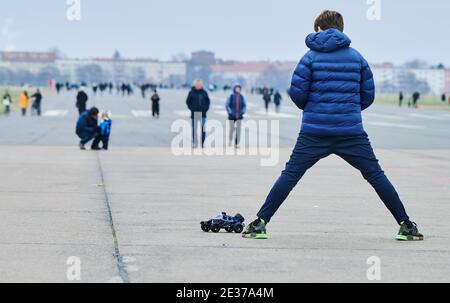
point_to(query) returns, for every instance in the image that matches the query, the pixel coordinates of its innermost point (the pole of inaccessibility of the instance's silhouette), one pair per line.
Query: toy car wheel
(229, 229)
(238, 228)
(206, 227)
(215, 228)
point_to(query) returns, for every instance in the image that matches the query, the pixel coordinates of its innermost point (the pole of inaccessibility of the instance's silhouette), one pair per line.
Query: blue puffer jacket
(332, 84)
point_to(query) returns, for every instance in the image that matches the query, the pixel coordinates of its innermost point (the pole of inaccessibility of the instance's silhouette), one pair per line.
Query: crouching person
(87, 127)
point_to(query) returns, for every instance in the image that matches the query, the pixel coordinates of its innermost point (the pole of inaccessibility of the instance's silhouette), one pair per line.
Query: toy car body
(224, 221)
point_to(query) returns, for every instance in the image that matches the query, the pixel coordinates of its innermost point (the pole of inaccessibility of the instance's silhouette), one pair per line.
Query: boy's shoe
(256, 230)
(82, 147)
(409, 232)
(95, 148)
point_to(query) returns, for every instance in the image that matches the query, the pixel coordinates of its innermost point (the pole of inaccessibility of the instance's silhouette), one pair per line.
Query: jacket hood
(328, 41)
(235, 86)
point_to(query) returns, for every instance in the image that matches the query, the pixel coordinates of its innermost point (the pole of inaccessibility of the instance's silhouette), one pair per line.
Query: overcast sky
(234, 29)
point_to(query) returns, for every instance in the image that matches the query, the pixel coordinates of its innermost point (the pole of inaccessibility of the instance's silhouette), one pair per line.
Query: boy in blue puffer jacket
(332, 84)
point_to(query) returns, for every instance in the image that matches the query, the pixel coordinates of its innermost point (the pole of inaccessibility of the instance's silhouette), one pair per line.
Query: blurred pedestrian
(236, 108)
(415, 99)
(82, 99)
(7, 101)
(155, 104)
(400, 99)
(24, 102)
(198, 103)
(37, 100)
(277, 101)
(267, 98)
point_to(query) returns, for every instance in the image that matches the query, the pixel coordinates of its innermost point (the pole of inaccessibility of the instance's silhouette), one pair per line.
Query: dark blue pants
(356, 150)
(85, 137)
(198, 121)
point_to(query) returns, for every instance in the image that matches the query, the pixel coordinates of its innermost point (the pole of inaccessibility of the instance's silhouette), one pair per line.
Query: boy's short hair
(329, 19)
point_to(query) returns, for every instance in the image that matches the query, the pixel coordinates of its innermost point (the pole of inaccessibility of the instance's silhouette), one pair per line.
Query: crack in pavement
(117, 255)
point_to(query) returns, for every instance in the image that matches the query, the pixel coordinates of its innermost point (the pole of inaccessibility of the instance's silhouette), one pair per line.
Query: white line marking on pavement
(384, 116)
(429, 117)
(387, 124)
(55, 113)
(141, 113)
(276, 115)
(183, 113)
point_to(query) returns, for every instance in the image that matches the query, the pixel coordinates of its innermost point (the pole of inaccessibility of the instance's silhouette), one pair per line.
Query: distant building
(106, 69)
(205, 58)
(127, 70)
(447, 81)
(199, 66)
(32, 62)
(46, 57)
(390, 79)
(247, 73)
(253, 74)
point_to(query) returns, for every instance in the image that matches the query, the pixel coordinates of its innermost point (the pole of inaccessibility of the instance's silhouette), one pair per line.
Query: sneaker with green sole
(256, 230)
(409, 232)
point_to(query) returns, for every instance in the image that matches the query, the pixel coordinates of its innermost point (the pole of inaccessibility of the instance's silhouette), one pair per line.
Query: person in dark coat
(37, 100)
(198, 103)
(87, 127)
(277, 100)
(415, 99)
(332, 84)
(267, 98)
(400, 99)
(82, 99)
(236, 108)
(155, 104)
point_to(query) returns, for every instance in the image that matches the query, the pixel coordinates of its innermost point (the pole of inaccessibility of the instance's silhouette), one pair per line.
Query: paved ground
(132, 213)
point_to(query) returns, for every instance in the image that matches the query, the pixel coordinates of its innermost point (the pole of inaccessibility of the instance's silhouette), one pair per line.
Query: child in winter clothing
(236, 108)
(104, 132)
(332, 84)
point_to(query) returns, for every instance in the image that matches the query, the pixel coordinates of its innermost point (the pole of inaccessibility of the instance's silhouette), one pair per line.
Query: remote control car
(224, 221)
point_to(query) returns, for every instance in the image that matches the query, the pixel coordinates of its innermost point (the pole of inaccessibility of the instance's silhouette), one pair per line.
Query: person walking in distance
(236, 108)
(37, 101)
(82, 99)
(24, 101)
(415, 99)
(7, 101)
(277, 101)
(155, 104)
(198, 103)
(400, 99)
(332, 84)
(267, 98)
